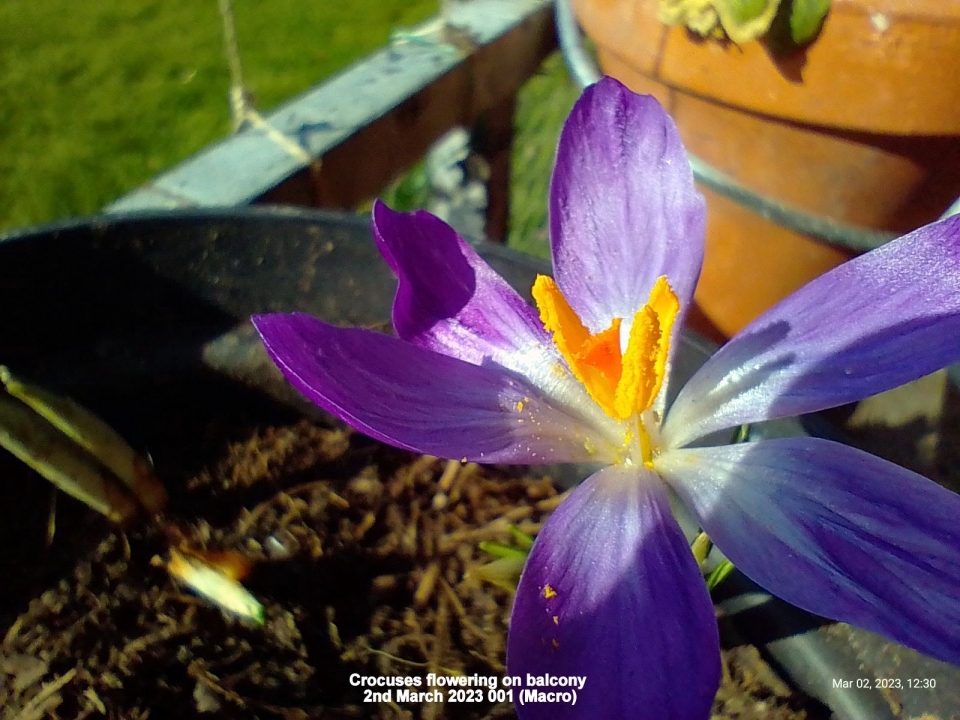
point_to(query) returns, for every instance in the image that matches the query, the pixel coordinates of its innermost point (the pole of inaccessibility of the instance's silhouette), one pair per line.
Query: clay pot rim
(882, 68)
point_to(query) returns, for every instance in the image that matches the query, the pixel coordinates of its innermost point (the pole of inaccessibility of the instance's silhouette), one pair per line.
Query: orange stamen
(667, 306)
(559, 318)
(622, 383)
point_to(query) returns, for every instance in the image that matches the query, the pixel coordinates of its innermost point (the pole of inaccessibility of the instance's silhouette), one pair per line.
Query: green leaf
(743, 11)
(503, 572)
(39, 444)
(746, 20)
(499, 550)
(701, 548)
(806, 17)
(741, 435)
(93, 435)
(522, 539)
(719, 573)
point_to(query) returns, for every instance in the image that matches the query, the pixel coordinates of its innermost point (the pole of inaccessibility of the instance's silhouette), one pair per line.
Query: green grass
(544, 103)
(98, 97)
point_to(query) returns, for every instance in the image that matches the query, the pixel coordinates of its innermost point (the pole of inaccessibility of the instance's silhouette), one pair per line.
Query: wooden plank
(370, 122)
(493, 140)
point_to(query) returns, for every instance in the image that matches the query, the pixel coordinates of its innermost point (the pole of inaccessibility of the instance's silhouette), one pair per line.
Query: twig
(450, 472)
(428, 583)
(211, 682)
(52, 517)
(28, 711)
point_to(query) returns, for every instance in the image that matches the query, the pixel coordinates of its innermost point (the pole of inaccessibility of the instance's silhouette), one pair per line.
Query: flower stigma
(623, 381)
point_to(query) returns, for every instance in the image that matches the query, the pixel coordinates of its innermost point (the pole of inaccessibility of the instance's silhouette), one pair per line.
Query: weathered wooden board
(371, 122)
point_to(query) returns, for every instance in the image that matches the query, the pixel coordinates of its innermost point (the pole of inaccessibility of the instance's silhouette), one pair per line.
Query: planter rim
(226, 213)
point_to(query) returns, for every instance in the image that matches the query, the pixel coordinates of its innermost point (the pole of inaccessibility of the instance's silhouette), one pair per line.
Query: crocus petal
(623, 206)
(420, 400)
(835, 531)
(874, 323)
(611, 592)
(451, 301)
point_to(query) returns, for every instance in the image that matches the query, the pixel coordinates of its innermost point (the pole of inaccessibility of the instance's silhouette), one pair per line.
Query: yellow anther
(666, 305)
(623, 383)
(593, 359)
(558, 317)
(639, 363)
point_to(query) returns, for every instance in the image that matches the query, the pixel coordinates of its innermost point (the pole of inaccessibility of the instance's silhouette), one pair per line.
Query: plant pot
(143, 319)
(859, 127)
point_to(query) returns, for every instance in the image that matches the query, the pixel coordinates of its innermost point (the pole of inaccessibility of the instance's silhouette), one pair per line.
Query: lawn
(97, 97)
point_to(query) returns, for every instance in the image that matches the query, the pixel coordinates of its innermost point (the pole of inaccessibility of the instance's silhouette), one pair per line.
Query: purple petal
(419, 400)
(874, 323)
(451, 301)
(623, 206)
(835, 531)
(448, 299)
(611, 592)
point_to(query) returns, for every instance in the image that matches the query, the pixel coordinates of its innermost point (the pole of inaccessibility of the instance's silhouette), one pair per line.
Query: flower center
(624, 382)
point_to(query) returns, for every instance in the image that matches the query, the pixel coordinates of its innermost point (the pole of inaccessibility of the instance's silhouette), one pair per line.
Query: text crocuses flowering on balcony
(611, 590)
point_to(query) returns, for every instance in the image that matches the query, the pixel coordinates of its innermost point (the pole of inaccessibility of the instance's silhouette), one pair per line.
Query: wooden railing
(342, 142)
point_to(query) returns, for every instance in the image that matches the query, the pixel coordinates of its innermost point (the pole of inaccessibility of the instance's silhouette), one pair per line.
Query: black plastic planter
(143, 318)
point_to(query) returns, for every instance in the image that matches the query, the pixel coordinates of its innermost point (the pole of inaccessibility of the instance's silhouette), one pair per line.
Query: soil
(366, 560)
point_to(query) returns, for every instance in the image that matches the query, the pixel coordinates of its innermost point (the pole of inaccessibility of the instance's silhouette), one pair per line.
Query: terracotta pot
(861, 127)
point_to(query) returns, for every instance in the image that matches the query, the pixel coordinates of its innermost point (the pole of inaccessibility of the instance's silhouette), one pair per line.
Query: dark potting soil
(366, 558)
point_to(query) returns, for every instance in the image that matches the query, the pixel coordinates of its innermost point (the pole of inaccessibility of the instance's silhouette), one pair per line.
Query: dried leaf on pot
(740, 20)
(700, 16)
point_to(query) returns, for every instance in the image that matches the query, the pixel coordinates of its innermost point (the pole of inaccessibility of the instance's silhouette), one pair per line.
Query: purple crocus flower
(611, 590)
